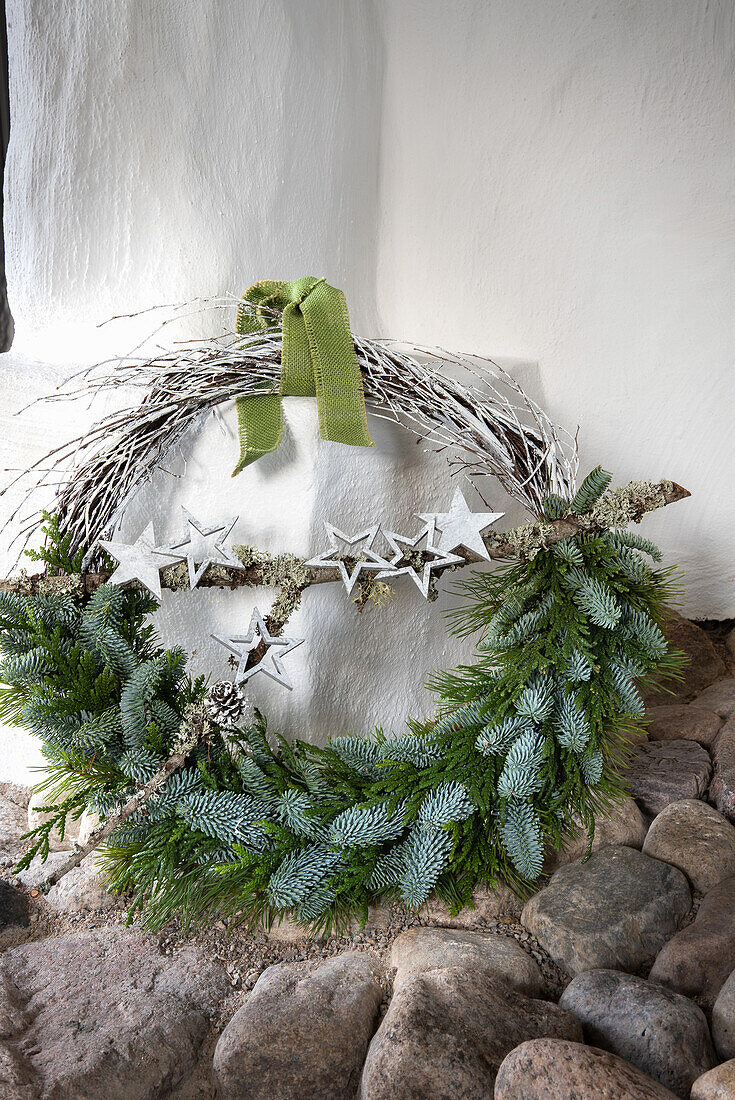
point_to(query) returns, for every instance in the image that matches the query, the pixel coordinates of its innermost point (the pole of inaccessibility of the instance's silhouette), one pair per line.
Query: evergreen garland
(527, 741)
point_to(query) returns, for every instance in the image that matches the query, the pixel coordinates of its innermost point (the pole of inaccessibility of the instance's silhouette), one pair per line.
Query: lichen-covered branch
(291, 576)
(616, 508)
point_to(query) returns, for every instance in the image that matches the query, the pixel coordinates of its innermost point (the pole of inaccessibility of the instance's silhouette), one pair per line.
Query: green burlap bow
(317, 360)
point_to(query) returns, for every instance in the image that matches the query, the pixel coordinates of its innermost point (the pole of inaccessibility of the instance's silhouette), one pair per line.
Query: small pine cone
(227, 703)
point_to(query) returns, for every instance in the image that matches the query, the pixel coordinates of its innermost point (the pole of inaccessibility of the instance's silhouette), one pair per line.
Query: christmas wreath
(203, 810)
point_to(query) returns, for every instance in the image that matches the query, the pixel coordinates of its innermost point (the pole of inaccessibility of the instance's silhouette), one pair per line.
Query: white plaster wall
(558, 181)
(165, 151)
(162, 150)
(546, 182)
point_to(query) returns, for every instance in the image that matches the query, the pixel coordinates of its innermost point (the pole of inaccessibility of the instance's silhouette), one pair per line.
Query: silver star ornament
(461, 527)
(400, 544)
(335, 556)
(242, 645)
(200, 547)
(138, 561)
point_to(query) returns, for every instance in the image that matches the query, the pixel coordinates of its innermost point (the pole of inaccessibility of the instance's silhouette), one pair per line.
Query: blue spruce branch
(300, 874)
(425, 855)
(536, 701)
(449, 802)
(520, 776)
(358, 753)
(296, 811)
(419, 751)
(591, 767)
(633, 541)
(578, 669)
(363, 826)
(572, 728)
(598, 603)
(497, 739)
(522, 839)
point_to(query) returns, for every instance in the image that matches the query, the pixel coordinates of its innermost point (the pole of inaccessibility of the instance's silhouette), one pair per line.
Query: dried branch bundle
(490, 426)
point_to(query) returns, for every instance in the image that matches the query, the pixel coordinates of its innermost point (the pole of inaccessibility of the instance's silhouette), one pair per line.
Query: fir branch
(591, 489)
(195, 727)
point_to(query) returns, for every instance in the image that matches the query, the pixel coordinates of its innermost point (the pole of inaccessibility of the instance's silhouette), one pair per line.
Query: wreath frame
(528, 743)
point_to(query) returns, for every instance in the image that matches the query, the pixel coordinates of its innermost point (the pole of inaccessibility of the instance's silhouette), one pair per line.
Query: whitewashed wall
(549, 183)
(558, 181)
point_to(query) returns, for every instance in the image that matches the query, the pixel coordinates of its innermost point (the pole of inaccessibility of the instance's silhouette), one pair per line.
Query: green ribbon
(317, 360)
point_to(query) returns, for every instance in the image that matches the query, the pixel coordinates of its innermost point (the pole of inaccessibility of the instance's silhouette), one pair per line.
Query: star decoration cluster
(420, 557)
(200, 546)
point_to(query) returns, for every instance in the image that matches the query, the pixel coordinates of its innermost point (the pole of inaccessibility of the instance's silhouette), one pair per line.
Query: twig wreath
(202, 810)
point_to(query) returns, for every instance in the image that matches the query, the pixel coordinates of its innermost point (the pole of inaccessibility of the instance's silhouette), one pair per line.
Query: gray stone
(421, 949)
(695, 838)
(447, 1031)
(17, 793)
(302, 1033)
(718, 1084)
(550, 1069)
(660, 1032)
(720, 698)
(487, 905)
(621, 824)
(40, 869)
(379, 919)
(723, 1019)
(284, 930)
(13, 909)
(88, 822)
(12, 827)
(79, 890)
(660, 772)
(730, 643)
(722, 788)
(616, 911)
(683, 722)
(698, 960)
(703, 667)
(103, 1014)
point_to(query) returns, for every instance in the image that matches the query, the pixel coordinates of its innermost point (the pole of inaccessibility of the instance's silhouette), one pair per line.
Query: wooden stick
(517, 542)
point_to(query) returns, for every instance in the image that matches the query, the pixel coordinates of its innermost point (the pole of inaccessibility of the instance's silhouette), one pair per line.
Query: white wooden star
(242, 645)
(138, 561)
(401, 545)
(335, 556)
(201, 550)
(461, 527)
